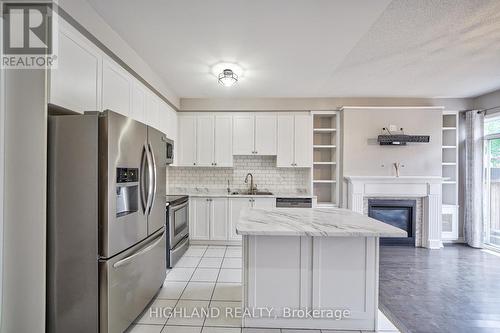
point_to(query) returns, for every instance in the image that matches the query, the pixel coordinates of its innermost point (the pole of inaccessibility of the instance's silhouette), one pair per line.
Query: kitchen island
(311, 268)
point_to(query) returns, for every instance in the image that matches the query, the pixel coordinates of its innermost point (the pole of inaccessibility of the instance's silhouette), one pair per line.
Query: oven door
(178, 223)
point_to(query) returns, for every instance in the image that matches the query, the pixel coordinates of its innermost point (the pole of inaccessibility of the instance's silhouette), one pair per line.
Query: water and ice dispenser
(127, 191)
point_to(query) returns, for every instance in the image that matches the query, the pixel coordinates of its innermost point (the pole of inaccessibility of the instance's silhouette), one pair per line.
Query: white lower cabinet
(215, 219)
(236, 205)
(199, 219)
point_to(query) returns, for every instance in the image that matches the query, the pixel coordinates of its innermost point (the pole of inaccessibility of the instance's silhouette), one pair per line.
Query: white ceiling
(316, 48)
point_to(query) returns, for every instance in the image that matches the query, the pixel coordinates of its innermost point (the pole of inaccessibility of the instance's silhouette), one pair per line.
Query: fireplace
(398, 213)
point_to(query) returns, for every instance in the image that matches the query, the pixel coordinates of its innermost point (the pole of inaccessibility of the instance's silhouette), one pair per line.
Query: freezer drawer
(129, 281)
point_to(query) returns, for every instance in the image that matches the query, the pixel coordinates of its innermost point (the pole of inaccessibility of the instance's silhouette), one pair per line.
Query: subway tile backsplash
(266, 175)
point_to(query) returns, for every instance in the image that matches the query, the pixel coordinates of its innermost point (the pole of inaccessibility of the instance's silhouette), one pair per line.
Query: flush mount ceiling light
(227, 73)
(227, 78)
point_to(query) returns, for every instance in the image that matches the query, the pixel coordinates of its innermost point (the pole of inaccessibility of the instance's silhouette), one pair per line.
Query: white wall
(362, 155)
(24, 225)
(306, 104)
(488, 101)
(85, 15)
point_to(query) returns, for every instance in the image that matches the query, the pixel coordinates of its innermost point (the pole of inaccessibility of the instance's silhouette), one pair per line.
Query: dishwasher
(293, 202)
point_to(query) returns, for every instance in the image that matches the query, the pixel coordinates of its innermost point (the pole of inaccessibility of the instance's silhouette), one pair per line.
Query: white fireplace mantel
(426, 187)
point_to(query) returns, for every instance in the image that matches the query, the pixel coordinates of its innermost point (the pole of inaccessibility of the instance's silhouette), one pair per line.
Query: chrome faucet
(252, 189)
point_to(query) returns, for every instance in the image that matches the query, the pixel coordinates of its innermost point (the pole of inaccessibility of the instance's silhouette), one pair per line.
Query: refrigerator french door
(106, 237)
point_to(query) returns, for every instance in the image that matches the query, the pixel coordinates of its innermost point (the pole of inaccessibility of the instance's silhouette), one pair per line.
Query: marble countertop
(326, 222)
(222, 193)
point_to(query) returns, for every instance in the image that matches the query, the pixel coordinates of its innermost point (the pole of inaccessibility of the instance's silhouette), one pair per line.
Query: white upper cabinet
(116, 88)
(211, 143)
(294, 140)
(265, 134)
(138, 110)
(75, 84)
(286, 147)
(254, 134)
(205, 140)
(223, 134)
(152, 109)
(187, 140)
(303, 141)
(243, 134)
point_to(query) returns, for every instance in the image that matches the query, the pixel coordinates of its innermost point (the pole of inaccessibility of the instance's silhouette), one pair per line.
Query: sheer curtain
(473, 212)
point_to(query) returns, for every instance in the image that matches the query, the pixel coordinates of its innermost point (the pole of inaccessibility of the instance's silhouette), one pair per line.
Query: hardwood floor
(456, 289)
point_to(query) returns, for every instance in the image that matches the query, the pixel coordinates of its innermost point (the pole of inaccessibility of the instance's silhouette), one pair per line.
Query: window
(492, 180)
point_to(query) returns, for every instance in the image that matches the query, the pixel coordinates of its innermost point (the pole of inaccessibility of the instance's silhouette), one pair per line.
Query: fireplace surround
(426, 188)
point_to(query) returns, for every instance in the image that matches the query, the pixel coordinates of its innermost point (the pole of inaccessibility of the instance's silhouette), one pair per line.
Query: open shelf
(325, 158)
(324, 130)
(449, 164)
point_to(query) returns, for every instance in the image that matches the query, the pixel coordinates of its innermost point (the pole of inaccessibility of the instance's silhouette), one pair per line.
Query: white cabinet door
(285, 145)
(200, 219)
(187, 141)
(303, 141)
(223, 140)
(75, 83)
(205, 140)
(265, 134)
(264, 202)
(152, 109)
(218, 219)
(116, 88)
(138, 110)
(163, 116)
(243, 134)
(236, 205)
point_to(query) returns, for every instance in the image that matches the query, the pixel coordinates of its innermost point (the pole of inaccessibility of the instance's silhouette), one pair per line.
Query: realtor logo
(27, 35)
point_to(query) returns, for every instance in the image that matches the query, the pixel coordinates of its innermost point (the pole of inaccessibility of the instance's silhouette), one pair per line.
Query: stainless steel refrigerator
(106, 215)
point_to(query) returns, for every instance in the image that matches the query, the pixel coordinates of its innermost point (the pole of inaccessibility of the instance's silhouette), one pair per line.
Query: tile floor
(207, 277)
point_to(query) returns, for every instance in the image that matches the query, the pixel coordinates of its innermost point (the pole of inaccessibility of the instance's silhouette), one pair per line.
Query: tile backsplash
(266, 175)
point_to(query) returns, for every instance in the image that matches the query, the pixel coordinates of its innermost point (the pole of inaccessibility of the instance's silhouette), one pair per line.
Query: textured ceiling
(316, 48)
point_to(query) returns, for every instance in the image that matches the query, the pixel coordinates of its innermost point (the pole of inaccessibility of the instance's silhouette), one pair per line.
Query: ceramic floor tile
(233, 252)
(210, 263)
(194, 252)
(262, 330)
(205, 275)
(145, 329)
(198, 291)
(215, 252)
(228, 292)
(300, 331)
(188, 262)
(157, 313)
(232, 263)
(172, 289)
(188, 313)
(217, 246)
(180, 274)
(181, 329)
(230, 275)
(203, 247)
(207, 329)
(227, 314)
(335, 331)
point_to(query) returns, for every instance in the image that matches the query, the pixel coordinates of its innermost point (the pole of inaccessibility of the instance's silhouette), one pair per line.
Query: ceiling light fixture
(227, 78)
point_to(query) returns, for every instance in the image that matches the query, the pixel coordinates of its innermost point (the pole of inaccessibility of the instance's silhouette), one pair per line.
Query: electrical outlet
(393, 128)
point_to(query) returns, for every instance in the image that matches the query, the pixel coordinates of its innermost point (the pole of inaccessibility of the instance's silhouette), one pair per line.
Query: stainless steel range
(177, 227)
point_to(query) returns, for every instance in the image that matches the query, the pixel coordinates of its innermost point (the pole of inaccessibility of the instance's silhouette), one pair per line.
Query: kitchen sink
(252, 193)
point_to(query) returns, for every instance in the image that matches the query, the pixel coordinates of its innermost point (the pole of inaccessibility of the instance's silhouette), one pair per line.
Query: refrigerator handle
(157, 240)
(151, 179)
(142, 185)
(153, 159)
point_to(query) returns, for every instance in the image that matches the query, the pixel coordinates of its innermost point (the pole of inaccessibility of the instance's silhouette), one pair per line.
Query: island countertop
(326, 222)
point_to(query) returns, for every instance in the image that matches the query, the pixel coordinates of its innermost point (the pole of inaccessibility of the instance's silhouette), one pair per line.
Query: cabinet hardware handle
(194, 163)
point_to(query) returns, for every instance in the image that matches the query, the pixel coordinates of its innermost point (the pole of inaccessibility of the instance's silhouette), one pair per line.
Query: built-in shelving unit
(325, 171)
(450, 176)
